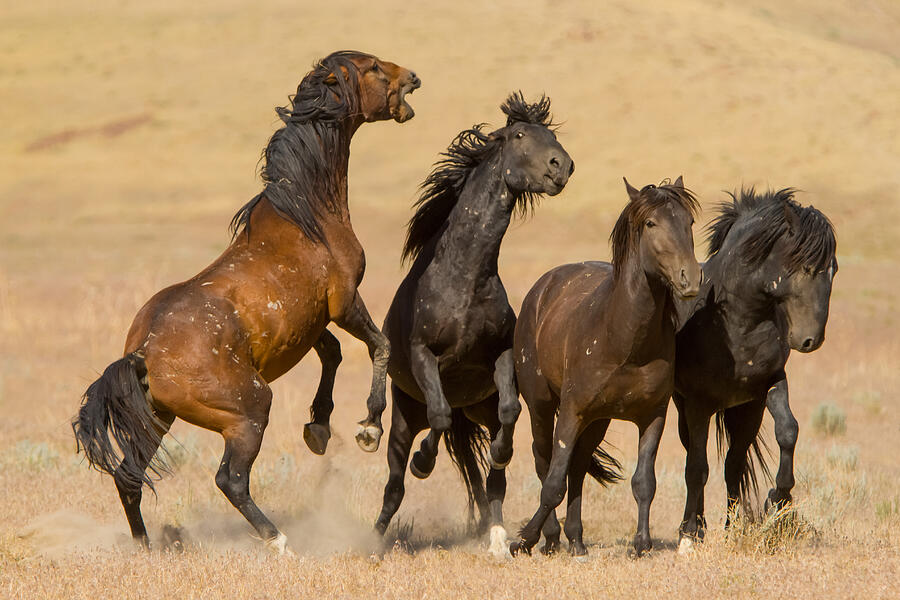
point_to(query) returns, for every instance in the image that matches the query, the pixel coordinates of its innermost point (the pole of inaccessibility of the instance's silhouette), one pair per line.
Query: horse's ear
(679, 183)
(633, 193)
(790, 218)
(332, 78)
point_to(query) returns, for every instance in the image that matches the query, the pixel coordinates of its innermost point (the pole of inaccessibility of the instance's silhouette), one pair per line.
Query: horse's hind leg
(317, 433)
(407, 419)
(486, 413)
(130, 494)
(786, 431)
(584, 450)
(742, 423)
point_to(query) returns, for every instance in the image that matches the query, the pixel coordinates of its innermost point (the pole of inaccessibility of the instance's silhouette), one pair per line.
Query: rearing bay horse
(205, 350)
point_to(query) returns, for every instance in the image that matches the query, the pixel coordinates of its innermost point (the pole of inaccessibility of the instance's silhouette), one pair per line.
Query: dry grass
(131, 132)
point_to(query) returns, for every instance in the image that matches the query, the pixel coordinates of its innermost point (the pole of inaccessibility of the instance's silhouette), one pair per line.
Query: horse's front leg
(508, 408)
(317, 433)
(425, 370)
(568, 428)
(357, 322)
(643, 482)
(786, 430)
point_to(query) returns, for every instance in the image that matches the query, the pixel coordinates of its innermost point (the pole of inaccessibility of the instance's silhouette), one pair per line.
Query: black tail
(117, 404)
(756, 459)
(468, 444)
(604, 468)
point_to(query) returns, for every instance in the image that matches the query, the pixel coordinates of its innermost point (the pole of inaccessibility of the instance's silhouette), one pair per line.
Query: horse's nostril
(684, 280)
(807, 343)
(554, 162)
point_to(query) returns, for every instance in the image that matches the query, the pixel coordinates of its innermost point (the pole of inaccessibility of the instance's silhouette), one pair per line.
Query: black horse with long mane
(450, 324)
(767, 291)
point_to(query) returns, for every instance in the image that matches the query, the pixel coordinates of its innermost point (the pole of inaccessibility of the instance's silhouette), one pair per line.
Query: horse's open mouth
(403, 112)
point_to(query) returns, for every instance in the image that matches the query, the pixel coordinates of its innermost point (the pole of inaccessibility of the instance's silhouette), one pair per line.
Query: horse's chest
(635, 390)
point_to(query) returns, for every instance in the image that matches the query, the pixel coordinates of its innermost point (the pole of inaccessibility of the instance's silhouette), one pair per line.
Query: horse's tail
(118, 404)
(604, 468)
(756, 462)
(468, 444)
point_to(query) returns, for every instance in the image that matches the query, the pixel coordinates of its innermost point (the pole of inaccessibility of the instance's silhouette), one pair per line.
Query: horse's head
(656, 227)
(779, 252)
(355, 86)
(798, 274)
(383, 87)
(532, 159)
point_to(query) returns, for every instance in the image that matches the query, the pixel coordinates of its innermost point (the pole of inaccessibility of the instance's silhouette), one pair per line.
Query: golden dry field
(130, 134)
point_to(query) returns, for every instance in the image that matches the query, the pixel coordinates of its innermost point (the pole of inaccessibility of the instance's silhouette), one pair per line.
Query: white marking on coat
(562, 444)
(206, 283)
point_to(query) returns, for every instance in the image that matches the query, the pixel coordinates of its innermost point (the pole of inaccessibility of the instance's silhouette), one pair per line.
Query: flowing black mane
(442, 187)
(769, 217)
(304, 159)
(627, 231)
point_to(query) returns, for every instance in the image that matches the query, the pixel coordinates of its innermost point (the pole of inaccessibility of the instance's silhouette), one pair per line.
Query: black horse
(767, 290)
(596, 341)
(450, 324)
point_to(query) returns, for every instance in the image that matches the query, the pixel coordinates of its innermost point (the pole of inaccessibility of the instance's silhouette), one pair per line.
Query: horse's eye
(375, 67)
(650, 224)
(520, 135)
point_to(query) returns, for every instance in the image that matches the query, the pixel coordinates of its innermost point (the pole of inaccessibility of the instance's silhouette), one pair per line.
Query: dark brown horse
(596, 341)
(205, 350)
(450, 324)
(767, 291)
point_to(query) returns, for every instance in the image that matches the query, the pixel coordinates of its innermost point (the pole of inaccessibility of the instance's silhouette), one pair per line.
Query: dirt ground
(131, 133)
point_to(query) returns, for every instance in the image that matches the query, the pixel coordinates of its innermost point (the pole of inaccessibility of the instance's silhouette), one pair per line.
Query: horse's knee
(330, 350)
(509, 411)
(786, 433)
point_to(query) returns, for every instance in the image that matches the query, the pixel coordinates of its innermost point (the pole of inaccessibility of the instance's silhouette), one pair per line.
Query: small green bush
(829, 420)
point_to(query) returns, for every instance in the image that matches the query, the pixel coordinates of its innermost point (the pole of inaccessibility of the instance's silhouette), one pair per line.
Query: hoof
(499, 547)
(550, 548)
(316, 437)
(368, 437)
(640, 549)
(774, 503)
(578, 551)
(519, 547)
(685, 546)
(278, 545)
(420, 466)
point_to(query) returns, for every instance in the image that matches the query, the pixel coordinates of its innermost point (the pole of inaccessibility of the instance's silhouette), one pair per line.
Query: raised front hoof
(775, 501)
(368, 437)
(519, 547)
(500, 457)
(316, 437)
(550, 547)
(499, 547)
(421, 466)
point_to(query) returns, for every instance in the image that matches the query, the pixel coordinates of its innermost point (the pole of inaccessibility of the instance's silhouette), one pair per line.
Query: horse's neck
(640, 307)
(475, 228)
(738, 295)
